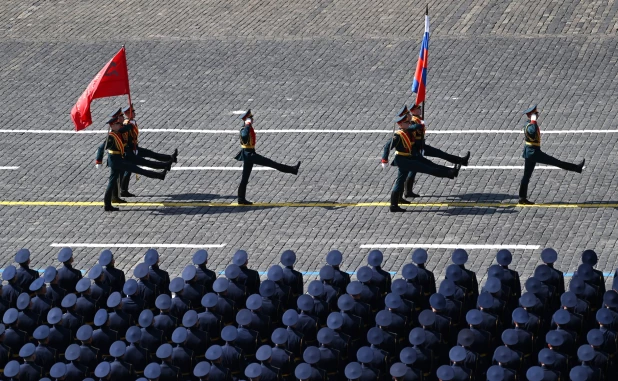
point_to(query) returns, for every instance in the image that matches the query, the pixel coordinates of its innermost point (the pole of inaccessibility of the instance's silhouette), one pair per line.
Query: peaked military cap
(364, 274)
(345, 302)
(37, 284)
(243, 317)
(304, 303)
(151, 257)
(72, 352)
(200, 257)
(106, 257)
(152, 370)
(399, 119)
(68, 301)
(554, 338)
(327, 273)
(493, 285)
(145, 318)
(404, 110)
(419, 256)
(130, 287)
(127, 108)
(288, 258)
(398, 369)
(50, 274)
(585, 353)
(486, 300)
(302, 371)
(364, 355)
(375, 258)
(334, 320)
(275, 273)
(579, 373)
(189, 319)
(352, 371)
(353, 288)
(445, 373)
(604, 316)
(437, 301)
(549, 255)
(474, 317)
(502, 354)
(409, 271)
(279, 336)
(393, 301)
(535, 373)
(254, 302)
(267, 288)
(84, 333)
(457, 354)
(231, 272)
(201, 369)
(374, 336)
(246, 115)
(141, 271)
(520, 316)
(209, 300)
(58, 370)
(311, 355)
(263, 353)
(214, 352)
(408, 356)
(562, 316)
(315, 288)
(543, 273)
(504, 257)
(41, 332)
(453, 272)
(27, 350)
(459, 257)
(240, 258)
(115, 113)
(253, 370)
(547, 356)
(23, 301)
(509, 337)
(398, 287)
(230, 333)
(100, 318)
(334, 258)
(447, 287)
(325, 335)
(530, 109)
(83, 285)
(9, 273)
(221, 285)
(465, 337)
(65, 254)
(417, 336)
(102, 370)
(589, 257)
(164, 351)
(180, 335)
(134, 334)
(22, 256)
(114, 299)
(53, 316)
(595, 337)
(290, 318)
(95, 272)
(427, 318)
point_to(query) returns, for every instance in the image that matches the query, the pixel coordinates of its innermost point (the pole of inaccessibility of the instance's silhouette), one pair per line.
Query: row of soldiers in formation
(125, 156)
(236, 327)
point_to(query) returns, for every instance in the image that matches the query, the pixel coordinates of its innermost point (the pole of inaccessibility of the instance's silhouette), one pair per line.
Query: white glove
(135, 152)
(97, 166)
(383, 165)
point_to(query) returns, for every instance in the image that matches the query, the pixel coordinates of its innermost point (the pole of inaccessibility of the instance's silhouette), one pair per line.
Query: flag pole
(425, 100)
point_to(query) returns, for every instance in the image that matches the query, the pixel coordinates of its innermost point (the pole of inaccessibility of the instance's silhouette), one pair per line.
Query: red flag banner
(111, 81)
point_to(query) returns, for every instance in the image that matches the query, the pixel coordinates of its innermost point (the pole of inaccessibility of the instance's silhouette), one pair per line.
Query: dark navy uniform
(165, 323)
(25, 276)
(250, 278)
(294, 280)
(249, 158)
(102, 338)
(183, 359)
(115, 278)
(29, 371)
(120, 321)
(75, 372)
(45, 357)
(68, 277)
(160, 278)
(55, 294)
(86, 307)
(151, 339)
(532, 154)
(133, 306)
(180, 305)
(137, 356)
(203, 275)
(89, 357)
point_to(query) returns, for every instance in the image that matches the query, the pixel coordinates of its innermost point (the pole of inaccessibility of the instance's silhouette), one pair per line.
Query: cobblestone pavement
(312, 65)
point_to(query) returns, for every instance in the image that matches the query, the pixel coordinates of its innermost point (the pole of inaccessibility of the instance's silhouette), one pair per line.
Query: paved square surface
(312, 66)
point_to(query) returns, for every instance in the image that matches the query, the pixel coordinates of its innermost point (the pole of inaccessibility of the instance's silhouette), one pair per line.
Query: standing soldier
(135, 151)
(422, 149)
(533, 155)
(204, 276)
(24, 275)
(403, 144)
(115, 277)
(67, 275)
(118, 164)
(159, 277)
(249, 157)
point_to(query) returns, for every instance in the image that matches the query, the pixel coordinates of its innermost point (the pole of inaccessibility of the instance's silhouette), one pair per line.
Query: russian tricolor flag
(420, 75)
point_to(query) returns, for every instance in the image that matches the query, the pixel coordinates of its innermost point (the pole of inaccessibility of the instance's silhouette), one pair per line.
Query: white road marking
(306, 131)
(448, 246)
(9, 168)
(144, 245)
(219, 169)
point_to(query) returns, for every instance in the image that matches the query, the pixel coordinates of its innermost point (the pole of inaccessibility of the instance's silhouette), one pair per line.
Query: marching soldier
(249, 158)
(403, 142)
(135, 151)
(118, 164)
(422, 149)
(533, 155)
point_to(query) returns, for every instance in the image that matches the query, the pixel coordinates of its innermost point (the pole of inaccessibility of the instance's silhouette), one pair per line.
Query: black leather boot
(394, 203)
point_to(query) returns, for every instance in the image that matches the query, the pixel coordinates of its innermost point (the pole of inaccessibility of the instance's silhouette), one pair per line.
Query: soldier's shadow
(483, 197)
(204, 210)
(477, 211)
(202, 197)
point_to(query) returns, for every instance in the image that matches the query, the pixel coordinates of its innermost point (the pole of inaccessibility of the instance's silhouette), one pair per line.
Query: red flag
(111, 81)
